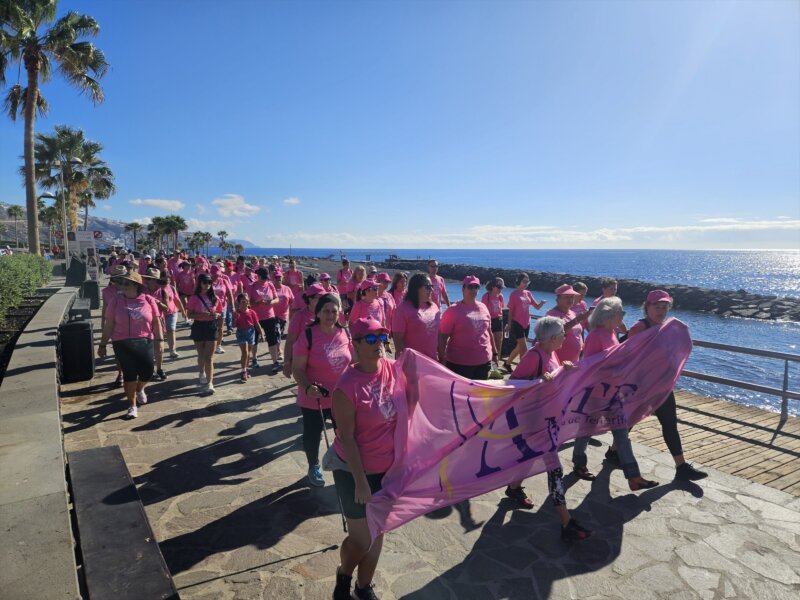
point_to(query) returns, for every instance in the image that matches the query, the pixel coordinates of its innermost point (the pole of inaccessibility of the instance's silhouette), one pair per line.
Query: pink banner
(458, 438)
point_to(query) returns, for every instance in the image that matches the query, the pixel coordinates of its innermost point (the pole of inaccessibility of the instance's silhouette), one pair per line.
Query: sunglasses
(473, 286)
(428, 286)
(372, 338)
(373, 288)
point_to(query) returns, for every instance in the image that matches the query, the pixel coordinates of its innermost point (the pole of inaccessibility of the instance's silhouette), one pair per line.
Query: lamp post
(57, 164)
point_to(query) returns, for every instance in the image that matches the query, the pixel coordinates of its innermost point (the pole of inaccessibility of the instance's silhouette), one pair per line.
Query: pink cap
(566, 290)
(314, 290)
(471, 280)
(658, 296)
(367, 284)
(277, 273)
(383, 278)
(324, 277)
(215, 269)
(361, 327)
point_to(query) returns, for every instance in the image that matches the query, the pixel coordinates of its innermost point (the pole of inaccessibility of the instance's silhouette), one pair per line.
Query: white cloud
(201, 210)
(532, 236)
(720, 220)
(293, 201)
(233, 205)
(105, 206)
(165, 205)
(210, 226)
(143, 220)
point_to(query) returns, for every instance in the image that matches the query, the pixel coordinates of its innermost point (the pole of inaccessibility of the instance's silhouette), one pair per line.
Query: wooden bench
(121, 558)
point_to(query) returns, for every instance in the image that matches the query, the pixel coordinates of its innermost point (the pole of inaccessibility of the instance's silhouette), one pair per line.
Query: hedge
(20, 275)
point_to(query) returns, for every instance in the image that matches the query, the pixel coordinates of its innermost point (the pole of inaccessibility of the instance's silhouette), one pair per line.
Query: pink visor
(566, 290)
(383, 278)
(367, 284)
(658, 296)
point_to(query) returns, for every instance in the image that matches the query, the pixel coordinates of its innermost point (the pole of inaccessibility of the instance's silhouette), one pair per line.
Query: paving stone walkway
(223, 482)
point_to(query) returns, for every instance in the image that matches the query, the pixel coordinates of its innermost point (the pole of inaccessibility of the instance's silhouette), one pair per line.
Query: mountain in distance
(244, 243)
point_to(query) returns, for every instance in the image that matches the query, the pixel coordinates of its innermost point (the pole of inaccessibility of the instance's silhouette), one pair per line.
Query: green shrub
(20, 274)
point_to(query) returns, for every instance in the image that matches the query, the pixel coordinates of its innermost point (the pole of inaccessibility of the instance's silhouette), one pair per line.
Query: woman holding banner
(362, 452)
(539, 362)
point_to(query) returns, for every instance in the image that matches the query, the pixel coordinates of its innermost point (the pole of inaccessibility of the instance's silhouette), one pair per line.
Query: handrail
(742, 384)
(752, 351)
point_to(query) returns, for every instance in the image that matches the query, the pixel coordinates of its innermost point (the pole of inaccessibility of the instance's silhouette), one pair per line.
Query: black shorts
(497, 324)
(346, 488)
(517, 331)
(135, 358)
(480, 372)
(270, 327)
(204, 331)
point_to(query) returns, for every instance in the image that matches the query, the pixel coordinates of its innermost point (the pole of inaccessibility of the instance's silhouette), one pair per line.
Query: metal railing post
(784, 396)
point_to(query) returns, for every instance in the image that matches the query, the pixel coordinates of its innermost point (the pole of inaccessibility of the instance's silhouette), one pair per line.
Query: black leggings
(667, 415)
(312, 428)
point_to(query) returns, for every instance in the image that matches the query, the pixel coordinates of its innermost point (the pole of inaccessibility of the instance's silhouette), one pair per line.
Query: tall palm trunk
(32, 67)
(86, 217)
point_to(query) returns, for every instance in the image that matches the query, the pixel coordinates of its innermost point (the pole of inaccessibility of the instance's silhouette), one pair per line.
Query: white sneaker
(173, 354)
(201, 379)
(220, 350)
(141, 397)
(210, 388)
(132, 413)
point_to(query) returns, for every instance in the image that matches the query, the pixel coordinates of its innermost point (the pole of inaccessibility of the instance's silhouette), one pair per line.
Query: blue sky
(402, 124)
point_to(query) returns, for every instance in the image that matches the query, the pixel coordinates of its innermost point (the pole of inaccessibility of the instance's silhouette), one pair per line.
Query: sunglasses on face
(428, 286)
(205, 283)
(373, 339)
(372, 289)
(473, 286)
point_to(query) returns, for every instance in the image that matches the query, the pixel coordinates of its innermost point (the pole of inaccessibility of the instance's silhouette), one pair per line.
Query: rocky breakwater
(721, 302)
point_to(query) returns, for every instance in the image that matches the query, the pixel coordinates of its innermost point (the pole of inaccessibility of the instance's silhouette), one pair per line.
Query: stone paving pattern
(223, 482)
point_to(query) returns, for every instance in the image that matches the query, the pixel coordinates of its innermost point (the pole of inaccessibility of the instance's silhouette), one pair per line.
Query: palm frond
(13, 101)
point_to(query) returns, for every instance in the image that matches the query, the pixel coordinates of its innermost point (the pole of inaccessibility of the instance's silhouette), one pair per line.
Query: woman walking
(573, 342)
(263, 298)
(205, 308)
(319, 356)
(417, 319)
(398, 287)
(362, 453)
(132, 324)
(368, 306)
(494, 301)
(301, 319)
(519, 318)
(466, 345)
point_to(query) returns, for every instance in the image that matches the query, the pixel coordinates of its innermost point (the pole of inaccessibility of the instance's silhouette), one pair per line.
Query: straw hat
(122, 272)
(152, 273)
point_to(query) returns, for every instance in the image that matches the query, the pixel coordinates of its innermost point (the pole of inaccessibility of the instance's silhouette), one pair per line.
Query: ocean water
(755, 271)
(768, 272)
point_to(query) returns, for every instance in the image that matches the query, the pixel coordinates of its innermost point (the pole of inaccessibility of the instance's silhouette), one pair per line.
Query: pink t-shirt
(133, 317)
(185, 282)
(437, 281)
(222, 285)
(108, 292)
(573, 341)
(529, 365)
(329, 356)
(494, 303)
(262, 290)
(203, 306)
(299, 321)
(166, 294)
(368, 310)
(469, 327)
(598, 340)
(285, 300)
(343, 276)
(398, 296)
(298, 302)
(519, 303)
(294, 279)
(375, 415)
(388, 307)
(245, 318)
(597, 301)
(419, 326)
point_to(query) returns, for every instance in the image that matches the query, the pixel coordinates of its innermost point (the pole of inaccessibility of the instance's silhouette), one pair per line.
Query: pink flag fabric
(458, 438)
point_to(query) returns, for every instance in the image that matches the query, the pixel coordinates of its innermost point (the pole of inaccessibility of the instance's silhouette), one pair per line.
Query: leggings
(555, 485)
(667, 415)
(312, 428)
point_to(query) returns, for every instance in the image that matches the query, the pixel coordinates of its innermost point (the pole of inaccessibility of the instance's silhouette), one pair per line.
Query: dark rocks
(725, 303)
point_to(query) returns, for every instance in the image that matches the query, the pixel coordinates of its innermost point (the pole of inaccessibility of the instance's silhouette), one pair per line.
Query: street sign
(58, 234)
(98, 235)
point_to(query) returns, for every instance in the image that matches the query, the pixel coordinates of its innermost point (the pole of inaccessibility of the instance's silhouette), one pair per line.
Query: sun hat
(152, 273)
(383, 278)
(368, 284)
(566, 290)
(324, 277)
(131, 276)
(471, 280)
(215, 269)
(314, 290)
(118, 271)
(275, 257)
(361, 327)
(658, 296)
(373, 269)
(498, 282)
(148, 256)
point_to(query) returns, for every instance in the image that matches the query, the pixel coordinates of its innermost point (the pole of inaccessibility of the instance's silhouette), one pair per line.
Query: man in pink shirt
(439, 295)
(343, 276)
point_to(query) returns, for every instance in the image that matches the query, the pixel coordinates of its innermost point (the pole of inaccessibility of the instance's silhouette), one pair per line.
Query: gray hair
(548, 327)
(606, 309)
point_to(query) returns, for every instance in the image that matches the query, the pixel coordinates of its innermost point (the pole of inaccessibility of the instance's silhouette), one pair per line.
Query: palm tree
(15, 212)
(54, 162)
(225, 247)
(134, 228)
(239, 249)
(81, 63)
(172, 226)
(222, 235)
(49, 216)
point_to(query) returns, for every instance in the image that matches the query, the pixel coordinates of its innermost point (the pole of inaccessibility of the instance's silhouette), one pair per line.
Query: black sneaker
(520, 496)
(612, 457)
(367, 593)
(687, 472)
(573, 532)
(342, 589)
(161, 375)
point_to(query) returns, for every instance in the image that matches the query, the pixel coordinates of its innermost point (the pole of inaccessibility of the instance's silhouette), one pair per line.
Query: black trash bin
(91, 289)
(76, 351)
(76, 274)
